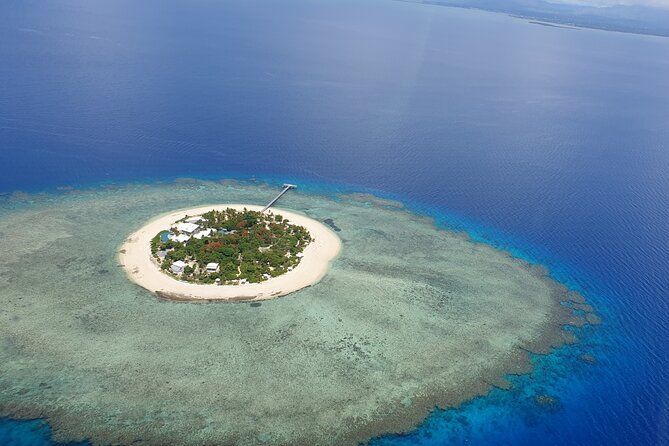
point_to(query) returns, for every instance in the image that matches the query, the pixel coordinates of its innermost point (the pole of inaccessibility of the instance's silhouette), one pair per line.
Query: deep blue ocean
(552, 143)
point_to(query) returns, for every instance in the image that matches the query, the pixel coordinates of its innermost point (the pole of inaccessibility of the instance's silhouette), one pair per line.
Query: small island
(229, 252)
(230, 247)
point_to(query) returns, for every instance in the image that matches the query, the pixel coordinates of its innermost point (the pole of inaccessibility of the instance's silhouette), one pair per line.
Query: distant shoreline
(140, 267)
(600, 19)
(552, 25)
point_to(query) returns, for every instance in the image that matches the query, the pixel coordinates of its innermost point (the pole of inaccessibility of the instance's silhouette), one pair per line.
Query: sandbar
(136, 259)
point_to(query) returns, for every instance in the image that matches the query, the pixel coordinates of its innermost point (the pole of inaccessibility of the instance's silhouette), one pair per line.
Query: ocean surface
(551, 143)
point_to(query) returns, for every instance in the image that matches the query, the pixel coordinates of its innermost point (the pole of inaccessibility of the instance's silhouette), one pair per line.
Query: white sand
(135, 257)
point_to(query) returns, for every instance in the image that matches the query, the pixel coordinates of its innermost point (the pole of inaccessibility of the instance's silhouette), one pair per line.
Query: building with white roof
(195, 219)
(212, 267)
(203, 233)
(178, 267)
(181, 238)
(187, 228)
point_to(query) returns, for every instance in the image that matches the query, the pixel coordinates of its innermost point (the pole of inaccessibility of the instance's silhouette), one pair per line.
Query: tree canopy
(246, 244)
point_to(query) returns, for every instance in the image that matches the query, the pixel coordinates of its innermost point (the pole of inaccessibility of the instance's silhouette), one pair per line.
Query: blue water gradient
(28, 432)
(550, 143)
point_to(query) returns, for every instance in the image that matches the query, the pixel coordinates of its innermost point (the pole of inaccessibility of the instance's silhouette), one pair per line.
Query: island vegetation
(230, 247)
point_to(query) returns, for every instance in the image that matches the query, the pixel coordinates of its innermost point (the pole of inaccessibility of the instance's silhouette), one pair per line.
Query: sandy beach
(135, 257)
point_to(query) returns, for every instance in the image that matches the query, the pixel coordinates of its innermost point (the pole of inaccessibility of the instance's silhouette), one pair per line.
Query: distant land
(634, 19)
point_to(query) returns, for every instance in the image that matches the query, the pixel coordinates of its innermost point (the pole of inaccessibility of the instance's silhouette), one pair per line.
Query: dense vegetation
(246, 244)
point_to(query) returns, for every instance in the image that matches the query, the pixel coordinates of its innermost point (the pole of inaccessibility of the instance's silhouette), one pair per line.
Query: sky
(604, 3)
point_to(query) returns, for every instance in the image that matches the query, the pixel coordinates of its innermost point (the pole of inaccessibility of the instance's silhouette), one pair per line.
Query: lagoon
(407, 317)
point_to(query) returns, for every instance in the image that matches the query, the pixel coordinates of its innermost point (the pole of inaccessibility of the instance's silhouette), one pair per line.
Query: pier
(286, 188)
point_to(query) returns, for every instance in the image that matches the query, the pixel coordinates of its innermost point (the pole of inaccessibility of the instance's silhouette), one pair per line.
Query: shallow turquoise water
(409, 316)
